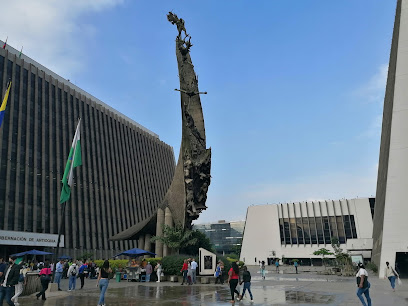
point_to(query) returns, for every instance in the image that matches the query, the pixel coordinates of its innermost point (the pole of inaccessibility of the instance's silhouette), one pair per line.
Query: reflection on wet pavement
(186, 295)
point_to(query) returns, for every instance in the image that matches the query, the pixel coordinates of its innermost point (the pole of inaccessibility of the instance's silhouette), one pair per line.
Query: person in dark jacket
(246, 279)
(8, 280)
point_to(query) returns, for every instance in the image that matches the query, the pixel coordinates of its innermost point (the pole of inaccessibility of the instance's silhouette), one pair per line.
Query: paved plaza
(277, 289)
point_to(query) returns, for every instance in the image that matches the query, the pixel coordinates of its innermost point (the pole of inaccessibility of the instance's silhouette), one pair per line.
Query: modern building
(297, 230)
(125, 173)
(225, 236)
(390, 218)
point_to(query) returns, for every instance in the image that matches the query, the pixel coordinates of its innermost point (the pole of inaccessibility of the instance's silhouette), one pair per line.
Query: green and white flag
(74, 159)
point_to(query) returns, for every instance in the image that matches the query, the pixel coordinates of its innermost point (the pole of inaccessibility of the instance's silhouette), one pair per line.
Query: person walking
(194, 266)
(72, 274)
(149, 271)
(218, 274)
(8, 280)
(263, 269)
(184, 271)
(391, 274)
(277, 265)
(233, 279)
(20, 285)
(296, 266)
(246, 279)
(103, 281)
(45, 278)
(363, 286)
(82, 275)
(59, 269)
(158, 270)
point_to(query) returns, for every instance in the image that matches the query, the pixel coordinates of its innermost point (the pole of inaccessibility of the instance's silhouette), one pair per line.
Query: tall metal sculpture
(186, 197)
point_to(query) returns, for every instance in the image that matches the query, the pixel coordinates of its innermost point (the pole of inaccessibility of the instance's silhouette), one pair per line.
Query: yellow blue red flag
(4, 104)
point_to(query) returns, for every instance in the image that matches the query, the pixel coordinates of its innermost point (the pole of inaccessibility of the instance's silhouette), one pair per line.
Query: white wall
(395, 228)
(261, 234)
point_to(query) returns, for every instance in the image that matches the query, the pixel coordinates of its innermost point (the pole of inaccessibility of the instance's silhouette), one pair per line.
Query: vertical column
(141, 242)
(159, 232)
(168, 220)
(147, 243)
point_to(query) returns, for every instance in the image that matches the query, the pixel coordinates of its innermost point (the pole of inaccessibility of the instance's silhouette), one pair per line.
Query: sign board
(208, 262)
(32, 239)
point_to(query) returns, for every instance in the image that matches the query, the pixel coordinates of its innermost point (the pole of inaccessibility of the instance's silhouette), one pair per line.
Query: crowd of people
(13, 277)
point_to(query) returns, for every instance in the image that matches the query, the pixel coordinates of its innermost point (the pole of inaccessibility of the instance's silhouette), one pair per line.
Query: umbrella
(135, 253)
(64, 257)
(32, 252)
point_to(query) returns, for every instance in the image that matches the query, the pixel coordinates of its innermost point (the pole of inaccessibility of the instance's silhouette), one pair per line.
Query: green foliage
(153, 261)
(114, 264)
(202, 241)
(233, 256)
(236, 249)
(176, 237)
(295, 260)
(85, 256)
(227, 263)
(372, 266)
(172, 264)
(322, 252)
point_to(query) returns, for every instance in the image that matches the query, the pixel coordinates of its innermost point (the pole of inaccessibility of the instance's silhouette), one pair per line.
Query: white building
(296, 230)
(390, 219)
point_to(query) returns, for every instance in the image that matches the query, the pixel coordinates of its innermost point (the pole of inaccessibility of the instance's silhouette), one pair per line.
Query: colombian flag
(3, 105)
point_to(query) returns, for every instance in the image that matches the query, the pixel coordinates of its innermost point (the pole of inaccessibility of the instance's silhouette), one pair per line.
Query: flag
(3, 105)
(5, 44)
(21, 52)
(74, 159)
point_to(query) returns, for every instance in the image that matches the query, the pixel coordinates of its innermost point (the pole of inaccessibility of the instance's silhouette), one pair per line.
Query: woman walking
(184, 271)
(103, 281)
(363, 286)
(246, 279)
(45, 279)
(233, 278)
(391, 274)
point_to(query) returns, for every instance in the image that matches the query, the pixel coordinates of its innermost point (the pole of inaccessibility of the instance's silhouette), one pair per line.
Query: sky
(295, 88)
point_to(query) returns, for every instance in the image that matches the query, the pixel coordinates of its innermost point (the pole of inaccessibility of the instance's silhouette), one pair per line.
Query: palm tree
(176, 237)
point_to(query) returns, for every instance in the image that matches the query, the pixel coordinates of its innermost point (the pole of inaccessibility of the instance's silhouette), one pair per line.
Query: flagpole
(61, 227)
(59, 238)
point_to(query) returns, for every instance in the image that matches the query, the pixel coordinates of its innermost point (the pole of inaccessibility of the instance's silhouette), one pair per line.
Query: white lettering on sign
(33, 239)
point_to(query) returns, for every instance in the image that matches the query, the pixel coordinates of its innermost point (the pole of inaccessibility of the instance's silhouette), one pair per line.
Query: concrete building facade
(390, 219)
(296, 230)
(125, 174)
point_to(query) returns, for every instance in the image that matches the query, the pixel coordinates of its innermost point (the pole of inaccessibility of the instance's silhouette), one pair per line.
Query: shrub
(172, 264)
(115, 264)
(372, 266)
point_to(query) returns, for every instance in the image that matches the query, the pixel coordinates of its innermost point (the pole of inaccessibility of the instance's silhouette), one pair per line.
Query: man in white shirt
(194, 266)
(363, 286)
(59, 268)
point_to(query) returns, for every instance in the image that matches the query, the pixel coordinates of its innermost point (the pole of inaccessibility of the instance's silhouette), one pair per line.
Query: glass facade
(317, 230)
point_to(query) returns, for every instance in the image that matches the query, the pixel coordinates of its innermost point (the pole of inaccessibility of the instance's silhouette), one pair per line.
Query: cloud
(374, 89)
(51, 32)
(373, 131)
(331, 186)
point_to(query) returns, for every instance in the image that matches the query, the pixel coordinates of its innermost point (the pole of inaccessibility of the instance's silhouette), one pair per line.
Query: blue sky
(295, 88)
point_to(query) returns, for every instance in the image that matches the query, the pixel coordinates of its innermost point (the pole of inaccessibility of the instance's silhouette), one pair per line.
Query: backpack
(73, 272)
(21, 278)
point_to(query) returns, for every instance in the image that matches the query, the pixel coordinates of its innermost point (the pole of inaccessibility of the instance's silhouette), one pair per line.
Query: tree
(323, 252)
(343, 259)
(202, 242)
(176, 237)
